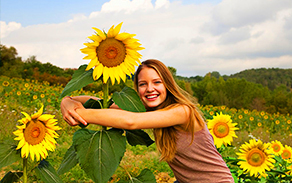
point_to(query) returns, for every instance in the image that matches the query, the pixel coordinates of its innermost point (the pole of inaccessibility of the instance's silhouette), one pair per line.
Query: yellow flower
(36, 135)
(289, 121)
(277, 147)
(277, 122)
(240, 117)
(256, 157)
(112, 55)
(18, 93)
(222, 129)
(245, 111)
(42, 95)
(259, 124)
(5, 83)
(251, 118)
(35, 97)
(287, 153)
(211, 113)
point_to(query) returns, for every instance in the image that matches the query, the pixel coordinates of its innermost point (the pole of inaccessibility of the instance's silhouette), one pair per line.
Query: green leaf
(138, 137)
(93, 104)
(8, 154)
(79, 79)
(146, 176)
(69, 161)
(99, 152)
(128, 100)
(11, 177)
(47, 173)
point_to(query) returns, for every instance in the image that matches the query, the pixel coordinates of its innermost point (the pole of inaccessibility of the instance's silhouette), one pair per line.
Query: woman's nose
(150, 88)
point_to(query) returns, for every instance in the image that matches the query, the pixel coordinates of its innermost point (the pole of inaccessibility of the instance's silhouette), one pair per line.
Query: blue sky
(32, 12)
(193, 36)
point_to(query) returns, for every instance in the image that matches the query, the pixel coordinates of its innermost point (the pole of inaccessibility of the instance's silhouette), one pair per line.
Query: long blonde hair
(165, 138)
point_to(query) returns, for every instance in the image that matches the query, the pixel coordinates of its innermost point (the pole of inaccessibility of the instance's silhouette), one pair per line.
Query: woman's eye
(141, 84)
(158, 82)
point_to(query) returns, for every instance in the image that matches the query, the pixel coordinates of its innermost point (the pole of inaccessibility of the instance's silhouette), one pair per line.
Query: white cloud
(7, 28)
(195, 38)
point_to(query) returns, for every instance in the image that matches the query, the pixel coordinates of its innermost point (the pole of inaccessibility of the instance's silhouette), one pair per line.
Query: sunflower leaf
(128, 100)
(69, 161)
(99, 152)
(79, 79)
(146, 176)
(138, 137)
(8, 154)
(11, 177)
(47, 173)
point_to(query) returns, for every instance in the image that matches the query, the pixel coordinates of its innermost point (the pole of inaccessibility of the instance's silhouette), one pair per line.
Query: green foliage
(11, 177)
(80, 79)
(128, 100)
(8, 154)
(47, 173)
(99, 152)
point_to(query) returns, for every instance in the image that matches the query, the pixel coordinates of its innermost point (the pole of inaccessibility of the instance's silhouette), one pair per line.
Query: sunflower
(5, 83)
(277, 147)
(287, 153)
(222, 129)
(112, 55)
(255, 157)
(36, 135)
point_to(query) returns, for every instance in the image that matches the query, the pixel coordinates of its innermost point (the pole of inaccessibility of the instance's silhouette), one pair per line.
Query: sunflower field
(259, 150)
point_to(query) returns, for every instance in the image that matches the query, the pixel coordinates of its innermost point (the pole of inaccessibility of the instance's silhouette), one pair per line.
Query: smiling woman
(180, 132)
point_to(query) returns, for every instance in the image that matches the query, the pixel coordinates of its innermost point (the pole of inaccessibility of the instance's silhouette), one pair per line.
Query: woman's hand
(68, 109)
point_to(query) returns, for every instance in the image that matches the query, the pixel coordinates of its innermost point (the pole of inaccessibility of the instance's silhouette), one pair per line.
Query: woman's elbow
(130, 124)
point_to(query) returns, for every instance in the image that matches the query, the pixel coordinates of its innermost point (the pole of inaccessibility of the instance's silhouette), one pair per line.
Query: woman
(181, 135)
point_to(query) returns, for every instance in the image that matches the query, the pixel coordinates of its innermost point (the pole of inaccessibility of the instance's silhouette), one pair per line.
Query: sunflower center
(35, 132)
(286, 154)
(256, 157)
(276, 148)
(111, 52)
(221, 129)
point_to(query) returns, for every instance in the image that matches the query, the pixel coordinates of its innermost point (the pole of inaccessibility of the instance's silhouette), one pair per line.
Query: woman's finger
(76, 117)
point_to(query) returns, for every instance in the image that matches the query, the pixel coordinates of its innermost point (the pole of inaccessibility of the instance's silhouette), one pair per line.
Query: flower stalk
(105, 88)
(24, 170)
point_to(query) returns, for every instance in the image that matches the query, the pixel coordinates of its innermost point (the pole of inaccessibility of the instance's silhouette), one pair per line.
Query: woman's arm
(73, 103)
(178, 115)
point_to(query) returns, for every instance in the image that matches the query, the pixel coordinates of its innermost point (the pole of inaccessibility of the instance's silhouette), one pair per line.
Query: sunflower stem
(105, 87)
(24, 170)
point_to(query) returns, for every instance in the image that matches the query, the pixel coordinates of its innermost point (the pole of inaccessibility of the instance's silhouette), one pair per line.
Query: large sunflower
(112, 55)
(277, 147)
(256, 157)
(222, 129)
(36, 134)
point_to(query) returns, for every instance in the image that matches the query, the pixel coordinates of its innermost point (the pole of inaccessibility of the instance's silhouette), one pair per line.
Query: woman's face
(151, 88)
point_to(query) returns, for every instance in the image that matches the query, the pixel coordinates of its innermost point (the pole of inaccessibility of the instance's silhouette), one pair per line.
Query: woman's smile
(151, 88)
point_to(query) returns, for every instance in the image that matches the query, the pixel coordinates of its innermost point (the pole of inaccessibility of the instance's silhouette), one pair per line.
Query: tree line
(261, 89)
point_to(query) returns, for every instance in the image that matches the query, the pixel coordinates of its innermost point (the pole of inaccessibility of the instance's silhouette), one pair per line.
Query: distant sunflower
(112, 55)
(222, 129)
(5, 83)
(36, 135)
(277, 147)
(256, 157)
(287, 153)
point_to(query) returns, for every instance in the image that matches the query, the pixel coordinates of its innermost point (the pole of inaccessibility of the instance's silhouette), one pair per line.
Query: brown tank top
(199, 162)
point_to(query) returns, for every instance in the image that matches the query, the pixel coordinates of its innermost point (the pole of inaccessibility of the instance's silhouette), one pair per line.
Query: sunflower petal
(97, 72)
(38, 114)
(100, 33)
(92, 63)
(117, 29)
(110, 33)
